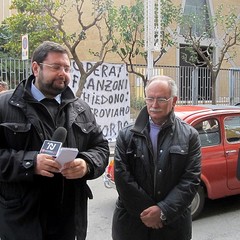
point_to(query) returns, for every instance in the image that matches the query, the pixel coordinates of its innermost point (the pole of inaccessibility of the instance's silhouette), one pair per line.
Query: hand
(151, 217)
(75, 169)
(46, 165)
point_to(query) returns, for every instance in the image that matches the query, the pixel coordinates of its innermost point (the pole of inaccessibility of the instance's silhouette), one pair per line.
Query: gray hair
(171, 83)
(41, 52)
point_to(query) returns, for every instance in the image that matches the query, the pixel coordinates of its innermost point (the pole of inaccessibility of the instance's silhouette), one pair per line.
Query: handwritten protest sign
(107, 91)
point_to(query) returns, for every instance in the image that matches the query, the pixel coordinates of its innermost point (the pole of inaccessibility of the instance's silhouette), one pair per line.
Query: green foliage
(5, 35)
(128, 40)
(129, 25)
(137, 104)
(198, 31)
(196, 23)
(45, 20)
(30, 19)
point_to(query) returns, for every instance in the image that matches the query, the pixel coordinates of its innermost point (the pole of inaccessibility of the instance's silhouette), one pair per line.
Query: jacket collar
(142, 120)
(22, 93)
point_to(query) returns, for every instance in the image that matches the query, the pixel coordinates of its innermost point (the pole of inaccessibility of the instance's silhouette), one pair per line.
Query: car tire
(198, 203)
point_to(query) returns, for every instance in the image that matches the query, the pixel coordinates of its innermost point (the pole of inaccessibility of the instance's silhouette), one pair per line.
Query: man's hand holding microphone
(46, 165)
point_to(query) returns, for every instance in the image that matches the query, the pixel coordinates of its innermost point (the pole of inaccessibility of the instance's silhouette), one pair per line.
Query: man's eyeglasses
(159, 100)
(57, 67)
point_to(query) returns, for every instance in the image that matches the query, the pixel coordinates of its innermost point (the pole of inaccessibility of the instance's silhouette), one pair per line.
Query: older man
(157, 170)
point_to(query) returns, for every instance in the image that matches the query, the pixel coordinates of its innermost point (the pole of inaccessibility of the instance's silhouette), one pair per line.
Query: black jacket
(170, 181)
(22, 132)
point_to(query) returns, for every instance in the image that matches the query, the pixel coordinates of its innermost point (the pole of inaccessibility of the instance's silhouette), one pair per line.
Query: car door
(232, 145)
(214, 172)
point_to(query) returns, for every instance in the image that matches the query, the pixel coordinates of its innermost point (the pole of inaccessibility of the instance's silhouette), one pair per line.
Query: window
(232, 129)
(196, 16)
(209, 132)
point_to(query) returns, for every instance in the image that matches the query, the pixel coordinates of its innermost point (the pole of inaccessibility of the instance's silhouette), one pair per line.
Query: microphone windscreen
(59, 135)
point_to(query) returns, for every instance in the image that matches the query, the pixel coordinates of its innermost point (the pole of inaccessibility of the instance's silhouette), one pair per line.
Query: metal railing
(13, 71)
(194, 84)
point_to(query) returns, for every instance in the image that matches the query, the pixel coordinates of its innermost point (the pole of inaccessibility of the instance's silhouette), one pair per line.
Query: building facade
(173, 55)
(4, 9)
(171, 63)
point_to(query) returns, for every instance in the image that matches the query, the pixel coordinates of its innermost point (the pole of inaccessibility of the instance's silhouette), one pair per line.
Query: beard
(52, 87)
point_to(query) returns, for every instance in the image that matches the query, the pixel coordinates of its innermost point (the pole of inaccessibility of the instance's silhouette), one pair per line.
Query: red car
(219, 131)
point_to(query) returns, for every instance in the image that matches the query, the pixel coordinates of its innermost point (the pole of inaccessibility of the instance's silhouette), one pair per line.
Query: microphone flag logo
(51, 147)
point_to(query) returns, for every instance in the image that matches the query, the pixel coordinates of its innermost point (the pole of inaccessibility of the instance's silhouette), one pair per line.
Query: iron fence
(194, 84)
(13, 71)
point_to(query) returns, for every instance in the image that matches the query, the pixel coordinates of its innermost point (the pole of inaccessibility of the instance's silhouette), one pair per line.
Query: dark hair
(41, 52)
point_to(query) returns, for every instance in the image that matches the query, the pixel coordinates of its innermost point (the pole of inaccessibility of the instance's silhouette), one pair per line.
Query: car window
(208, 132)
(232, 128)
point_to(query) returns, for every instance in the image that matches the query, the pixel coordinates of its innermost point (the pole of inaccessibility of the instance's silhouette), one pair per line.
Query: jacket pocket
(17, 127)
(178, 157)
(181, 150)
(15, 134)
(85, 127)
(83, 135)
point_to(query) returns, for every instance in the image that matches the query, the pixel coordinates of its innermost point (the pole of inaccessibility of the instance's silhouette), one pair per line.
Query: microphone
(59, 135)
(53, 146)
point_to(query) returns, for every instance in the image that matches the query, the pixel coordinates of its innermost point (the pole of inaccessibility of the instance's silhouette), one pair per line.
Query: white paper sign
(107, 91)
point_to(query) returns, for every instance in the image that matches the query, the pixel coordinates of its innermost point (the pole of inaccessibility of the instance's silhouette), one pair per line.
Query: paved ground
(220, 219)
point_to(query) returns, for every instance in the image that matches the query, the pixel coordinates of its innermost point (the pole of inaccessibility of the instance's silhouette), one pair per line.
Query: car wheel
(198, 203)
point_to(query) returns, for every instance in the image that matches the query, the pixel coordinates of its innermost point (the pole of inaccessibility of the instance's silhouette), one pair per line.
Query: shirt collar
(38, 95)
(154, 125)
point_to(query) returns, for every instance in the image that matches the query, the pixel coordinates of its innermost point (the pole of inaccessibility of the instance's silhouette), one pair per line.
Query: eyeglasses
(57, 67)
(150, 100)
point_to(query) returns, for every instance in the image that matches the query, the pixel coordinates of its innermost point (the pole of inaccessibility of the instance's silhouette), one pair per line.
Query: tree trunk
(81, 84)
(214, 81)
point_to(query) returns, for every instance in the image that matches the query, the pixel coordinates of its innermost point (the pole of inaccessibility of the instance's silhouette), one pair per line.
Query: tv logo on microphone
(50, 147)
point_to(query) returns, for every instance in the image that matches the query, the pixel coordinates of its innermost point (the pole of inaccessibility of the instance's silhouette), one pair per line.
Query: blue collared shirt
(39, 96)
(154, 131)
